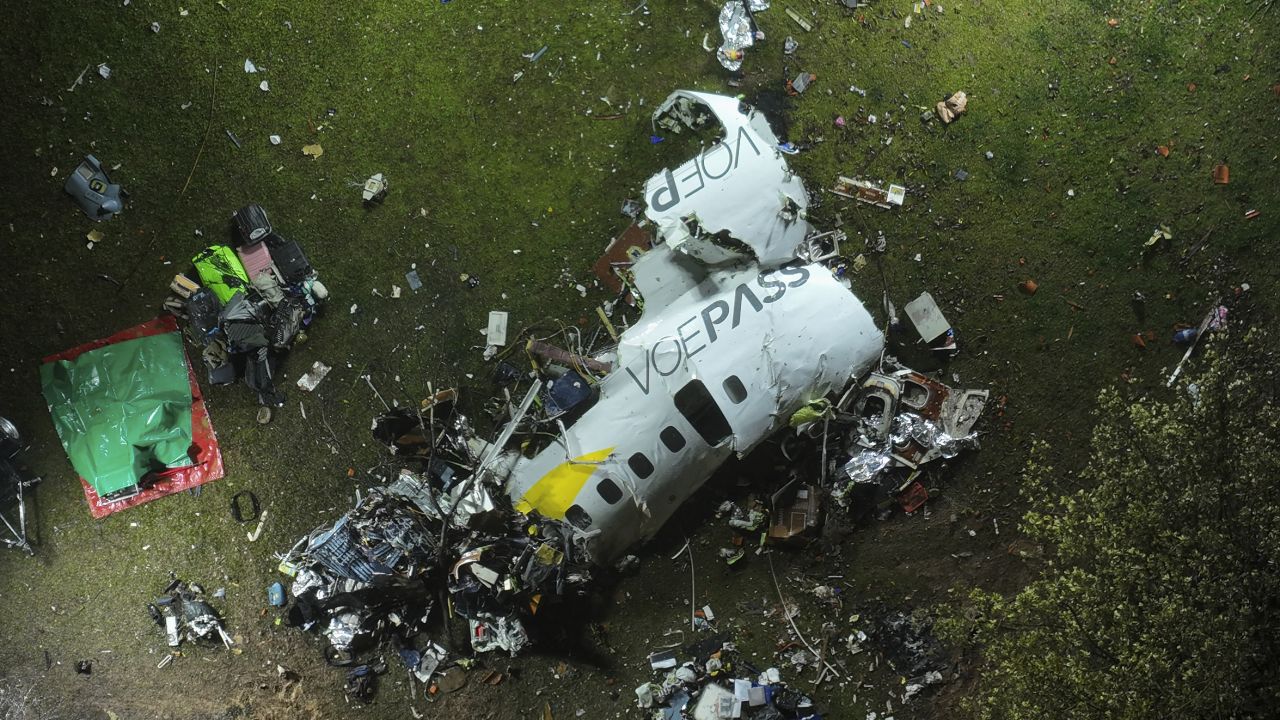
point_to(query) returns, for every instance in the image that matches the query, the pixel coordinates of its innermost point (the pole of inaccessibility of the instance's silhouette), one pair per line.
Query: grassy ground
(482, 166)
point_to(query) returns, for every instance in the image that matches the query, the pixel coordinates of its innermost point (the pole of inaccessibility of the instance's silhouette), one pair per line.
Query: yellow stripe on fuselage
(555, 492)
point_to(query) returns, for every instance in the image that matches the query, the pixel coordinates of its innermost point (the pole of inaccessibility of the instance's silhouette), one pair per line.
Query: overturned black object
(251, 223)
(237, 512)
(288, 258)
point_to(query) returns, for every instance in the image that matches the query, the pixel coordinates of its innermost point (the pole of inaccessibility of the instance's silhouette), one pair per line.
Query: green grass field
(518, 182)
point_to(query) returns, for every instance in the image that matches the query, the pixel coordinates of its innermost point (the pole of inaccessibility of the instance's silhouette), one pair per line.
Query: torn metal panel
(620, 255)
(927, 317)
(735, 201)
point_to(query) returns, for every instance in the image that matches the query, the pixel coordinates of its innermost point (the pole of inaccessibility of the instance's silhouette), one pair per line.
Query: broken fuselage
(738, 332)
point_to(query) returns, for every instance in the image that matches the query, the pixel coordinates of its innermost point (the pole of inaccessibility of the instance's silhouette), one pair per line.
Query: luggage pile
(251, 304)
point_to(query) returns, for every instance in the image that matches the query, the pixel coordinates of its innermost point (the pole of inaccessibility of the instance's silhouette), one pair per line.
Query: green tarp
(122, 410)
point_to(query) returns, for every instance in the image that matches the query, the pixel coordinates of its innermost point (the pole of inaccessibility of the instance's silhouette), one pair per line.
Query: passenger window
(698, 407)
(609, 490)
(578, 517)
(734, 388)
(672, 438)
(640, 465)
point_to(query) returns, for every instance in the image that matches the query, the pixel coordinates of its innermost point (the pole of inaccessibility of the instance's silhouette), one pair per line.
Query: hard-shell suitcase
(251, 223)
(256, 259)
(288, 258)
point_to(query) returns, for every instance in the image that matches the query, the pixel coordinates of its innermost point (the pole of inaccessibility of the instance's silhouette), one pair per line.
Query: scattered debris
(313, 150)
(952, 106)
(184, 614)
(375, 189)
(739, 32)
(1221, 174)
(496, 333)
(800, 83)
(312, 378)
(92, 189)
(865, 191)
(1160, 233)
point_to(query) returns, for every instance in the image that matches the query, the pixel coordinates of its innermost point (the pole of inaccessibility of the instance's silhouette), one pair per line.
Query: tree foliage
(1160, 595)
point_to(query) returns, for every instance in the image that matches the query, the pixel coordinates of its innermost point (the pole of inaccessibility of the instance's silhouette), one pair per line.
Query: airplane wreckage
(745, 332)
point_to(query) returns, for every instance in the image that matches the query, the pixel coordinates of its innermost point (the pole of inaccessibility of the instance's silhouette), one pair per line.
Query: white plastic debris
(312, 378)
(104, 71)
(275, 139)
(155, 27)
(249, 67)
(264, 86)
(497, 330)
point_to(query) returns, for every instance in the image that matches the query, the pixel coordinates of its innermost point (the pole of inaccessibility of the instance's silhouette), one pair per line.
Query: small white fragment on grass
(262, 520)
(249, 67)
(155, 27)
(186, 105)
(354, 308)
(104, 71)
(275, 139)
(395, 291)
(1071, 193)
(312, 377)
(183, 12)
(264, 86)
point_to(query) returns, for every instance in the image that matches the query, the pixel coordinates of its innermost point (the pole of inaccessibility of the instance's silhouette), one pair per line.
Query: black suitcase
(288, 259)
(252, 223)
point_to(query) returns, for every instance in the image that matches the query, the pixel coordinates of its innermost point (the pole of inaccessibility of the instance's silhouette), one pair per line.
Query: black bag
(252, 223)
(285, 322)
(202, 313)
(288, 259)
(258, 374)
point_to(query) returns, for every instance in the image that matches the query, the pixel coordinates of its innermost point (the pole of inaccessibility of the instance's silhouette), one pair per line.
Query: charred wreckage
(748, 328)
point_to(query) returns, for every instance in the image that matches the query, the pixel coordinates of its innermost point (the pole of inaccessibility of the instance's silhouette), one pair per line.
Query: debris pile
(715, 682)
(251, 305)
(609, 430)
(184, 614)
(899, 420)
(374, 574)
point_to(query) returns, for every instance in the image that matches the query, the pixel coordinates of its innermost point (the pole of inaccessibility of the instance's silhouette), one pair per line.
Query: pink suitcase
(256, 259)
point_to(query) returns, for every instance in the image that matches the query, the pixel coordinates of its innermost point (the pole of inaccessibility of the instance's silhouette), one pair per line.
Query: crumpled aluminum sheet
(342, 630)
(865, 466)
(758, 5)
(910, 426)
(475, 500)
(489, 632)
(305, 580)
(735, 26)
